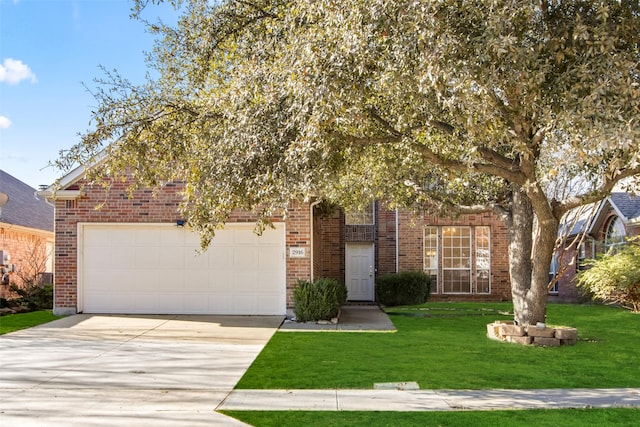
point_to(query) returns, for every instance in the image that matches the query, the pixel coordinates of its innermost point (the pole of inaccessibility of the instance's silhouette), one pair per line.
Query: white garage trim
(141, 268)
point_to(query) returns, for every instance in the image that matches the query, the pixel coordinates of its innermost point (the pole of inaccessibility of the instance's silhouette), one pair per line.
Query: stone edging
(532, 335)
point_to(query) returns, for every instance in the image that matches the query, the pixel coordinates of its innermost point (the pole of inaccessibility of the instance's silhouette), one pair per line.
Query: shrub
(615, 278)
(34, 296)
(320, 300)
(407, 288)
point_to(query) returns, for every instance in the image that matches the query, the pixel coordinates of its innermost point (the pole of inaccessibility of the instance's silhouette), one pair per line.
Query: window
(614, 236)
(456, 260)
(483, 260)
(431, 255)
(553, 272)
(360, 217)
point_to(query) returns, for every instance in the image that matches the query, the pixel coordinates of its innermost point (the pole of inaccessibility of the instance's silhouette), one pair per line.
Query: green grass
(444, 346)
(15, 322)
(538, 418)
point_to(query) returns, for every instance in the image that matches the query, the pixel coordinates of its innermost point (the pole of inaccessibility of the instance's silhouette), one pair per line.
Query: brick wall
(144, 206)
(330, 244)
(23, 245)
(410, 252)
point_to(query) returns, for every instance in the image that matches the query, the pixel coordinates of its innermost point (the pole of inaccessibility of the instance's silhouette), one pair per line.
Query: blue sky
(48, 50)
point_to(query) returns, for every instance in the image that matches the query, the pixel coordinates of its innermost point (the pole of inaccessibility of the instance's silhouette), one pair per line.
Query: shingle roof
(23, 207)
(627, 204)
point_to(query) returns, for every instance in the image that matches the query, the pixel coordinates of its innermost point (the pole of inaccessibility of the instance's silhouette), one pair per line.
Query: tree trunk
(529, 260)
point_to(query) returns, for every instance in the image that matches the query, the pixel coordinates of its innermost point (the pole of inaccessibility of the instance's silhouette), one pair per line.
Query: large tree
(457, 106)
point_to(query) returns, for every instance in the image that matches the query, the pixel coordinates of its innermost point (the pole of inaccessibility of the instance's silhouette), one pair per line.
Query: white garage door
(154, 269)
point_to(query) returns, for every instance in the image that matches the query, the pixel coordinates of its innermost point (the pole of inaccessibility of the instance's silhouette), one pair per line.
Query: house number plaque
(297, 252)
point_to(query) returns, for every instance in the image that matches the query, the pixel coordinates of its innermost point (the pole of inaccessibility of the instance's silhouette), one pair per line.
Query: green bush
(33, 296)
(320, 300)
(615, 278)
(407, 288)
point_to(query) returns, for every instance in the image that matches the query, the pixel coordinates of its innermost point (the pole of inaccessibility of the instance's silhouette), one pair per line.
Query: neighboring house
(135, 255)
(26, 233)
(594, 229)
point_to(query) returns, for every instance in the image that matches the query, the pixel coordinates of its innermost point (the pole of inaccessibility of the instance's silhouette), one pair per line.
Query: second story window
(361, 216)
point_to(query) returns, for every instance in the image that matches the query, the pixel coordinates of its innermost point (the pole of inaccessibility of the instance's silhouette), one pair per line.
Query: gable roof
(627, 205)
(24, 208)
(589, 217)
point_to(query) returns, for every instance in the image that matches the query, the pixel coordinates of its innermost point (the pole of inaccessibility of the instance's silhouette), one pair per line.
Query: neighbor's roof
(627, 204)
(586, 218)
(24, 208)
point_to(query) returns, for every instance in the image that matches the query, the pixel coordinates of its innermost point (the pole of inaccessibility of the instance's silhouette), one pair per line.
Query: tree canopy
(454, 106)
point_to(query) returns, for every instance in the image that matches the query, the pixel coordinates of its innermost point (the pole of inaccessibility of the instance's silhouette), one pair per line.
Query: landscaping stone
(532, 331)
(512, 330)
(567, 333)
(519, 340)
(547, 342)
(541, 335)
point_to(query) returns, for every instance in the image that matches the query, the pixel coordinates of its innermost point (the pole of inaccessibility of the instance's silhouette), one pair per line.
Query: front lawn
(538, 418)
(444, 346)
(15, 322)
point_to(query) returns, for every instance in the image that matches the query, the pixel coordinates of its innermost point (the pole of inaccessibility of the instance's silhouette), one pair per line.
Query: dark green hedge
(407, 288)
(320, 300)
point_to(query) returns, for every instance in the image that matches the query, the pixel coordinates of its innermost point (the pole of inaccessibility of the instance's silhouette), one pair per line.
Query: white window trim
(468, 269)
(434, 286)
(475, 261)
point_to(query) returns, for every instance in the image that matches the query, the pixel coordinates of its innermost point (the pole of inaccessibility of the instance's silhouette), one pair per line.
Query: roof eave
(60, 194)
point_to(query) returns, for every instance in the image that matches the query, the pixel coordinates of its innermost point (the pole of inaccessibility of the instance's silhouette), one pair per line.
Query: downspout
(397, 245)
(312, 233)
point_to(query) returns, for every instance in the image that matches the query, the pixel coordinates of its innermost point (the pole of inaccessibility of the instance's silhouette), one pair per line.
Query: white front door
(360, 271)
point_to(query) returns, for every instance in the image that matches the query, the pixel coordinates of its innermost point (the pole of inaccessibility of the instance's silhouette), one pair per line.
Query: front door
(360, 271)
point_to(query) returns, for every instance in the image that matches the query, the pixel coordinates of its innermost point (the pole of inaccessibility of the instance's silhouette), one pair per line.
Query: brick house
(26, 234)
(594, 229)
(135, 255)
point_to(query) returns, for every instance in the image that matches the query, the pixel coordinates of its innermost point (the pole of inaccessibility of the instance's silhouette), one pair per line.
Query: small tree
(34, 263)
(615, 277)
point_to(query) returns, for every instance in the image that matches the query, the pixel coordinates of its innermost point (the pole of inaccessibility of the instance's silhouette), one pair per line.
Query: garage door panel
(153, 269)
(219, 256)
(269, 257)
(245, 257)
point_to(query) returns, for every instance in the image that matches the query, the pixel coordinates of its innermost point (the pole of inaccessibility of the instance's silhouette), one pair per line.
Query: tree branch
(608, 183)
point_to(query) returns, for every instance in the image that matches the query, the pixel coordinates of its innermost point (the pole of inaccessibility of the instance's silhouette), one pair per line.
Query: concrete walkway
(428, 400)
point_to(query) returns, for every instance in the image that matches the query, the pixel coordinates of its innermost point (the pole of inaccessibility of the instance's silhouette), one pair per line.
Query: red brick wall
(411, 238)
(385, 239)
(329, 242)
(22, 244)
(144, 207)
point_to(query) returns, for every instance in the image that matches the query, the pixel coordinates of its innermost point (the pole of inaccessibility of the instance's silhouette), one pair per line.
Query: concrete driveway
(98, 370)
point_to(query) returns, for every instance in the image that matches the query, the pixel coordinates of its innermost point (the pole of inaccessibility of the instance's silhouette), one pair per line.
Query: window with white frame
(615, 234)
(458, 259)
(483, 260)
(431, 255)
(362, 216)
(553, 272)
